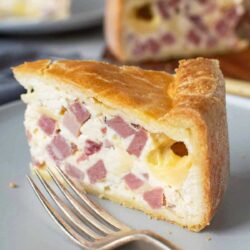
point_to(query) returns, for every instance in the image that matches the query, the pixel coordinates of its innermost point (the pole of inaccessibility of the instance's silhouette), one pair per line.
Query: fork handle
(155, 239)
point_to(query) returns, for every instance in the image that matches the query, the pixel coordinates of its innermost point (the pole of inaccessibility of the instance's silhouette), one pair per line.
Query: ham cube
(92, 147)
(75, 117)
(97, 172)
(71, 123)
(74, 171)
(222, 27)
(132, 181)
(47, 124)
(168, 39)
(152, 45)
(193, 37)
(120, 127)
(139, 48)
(138, 143)
(198, 22)
(80, 112)
(154, 198)
(163, 8)
(59, 149)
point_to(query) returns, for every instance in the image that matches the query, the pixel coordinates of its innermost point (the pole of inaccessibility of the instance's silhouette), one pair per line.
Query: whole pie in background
(144, 30)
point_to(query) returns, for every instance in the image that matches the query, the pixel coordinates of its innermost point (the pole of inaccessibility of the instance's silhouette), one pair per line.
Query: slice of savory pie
(145, 139)
(160, 29)
(34, 9)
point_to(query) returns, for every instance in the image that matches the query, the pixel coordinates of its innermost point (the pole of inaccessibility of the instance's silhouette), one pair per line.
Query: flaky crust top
(152, 93)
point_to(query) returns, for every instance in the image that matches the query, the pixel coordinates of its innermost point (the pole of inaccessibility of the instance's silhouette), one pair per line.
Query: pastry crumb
(170, 233)
(12, 185)
(209, 238)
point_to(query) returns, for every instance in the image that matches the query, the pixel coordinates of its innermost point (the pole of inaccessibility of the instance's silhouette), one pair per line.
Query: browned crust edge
(200, 89)
(113, 27)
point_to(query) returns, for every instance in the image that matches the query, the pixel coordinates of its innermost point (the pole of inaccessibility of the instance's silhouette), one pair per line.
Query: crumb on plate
(12, 185)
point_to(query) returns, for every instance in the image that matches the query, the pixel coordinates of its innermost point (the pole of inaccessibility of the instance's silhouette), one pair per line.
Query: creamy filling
(178, 27)
(106, 152)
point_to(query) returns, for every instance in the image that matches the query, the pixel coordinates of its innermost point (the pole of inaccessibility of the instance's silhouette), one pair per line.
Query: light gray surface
(24, 224)
(84, 13)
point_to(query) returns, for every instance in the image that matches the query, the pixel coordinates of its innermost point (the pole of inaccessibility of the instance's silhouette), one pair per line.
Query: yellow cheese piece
(142, 25)
(168, 167)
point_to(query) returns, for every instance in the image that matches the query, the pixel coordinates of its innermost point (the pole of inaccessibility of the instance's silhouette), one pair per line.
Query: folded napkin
(10, 90)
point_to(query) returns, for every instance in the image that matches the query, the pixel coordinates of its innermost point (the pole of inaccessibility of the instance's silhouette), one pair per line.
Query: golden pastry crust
(193, 99)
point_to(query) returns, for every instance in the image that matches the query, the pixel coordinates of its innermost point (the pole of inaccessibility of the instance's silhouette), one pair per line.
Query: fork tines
(84, 221)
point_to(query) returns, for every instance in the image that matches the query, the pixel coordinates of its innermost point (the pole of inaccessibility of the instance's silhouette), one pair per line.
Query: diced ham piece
(59, 149)
(82, 157)
(47, 124)
(137, 144)
(222, 27)
(193, 37)
(197, 20)
(163, 8)
(233, 14)
(74, 171)
(71, 123)
(97, 172)
(80, 112)
(120, 127)
(75, 117)
(139, 48)
(91, 147)
(132, 181)
(152, 45)
(168, 39)
(174, 3)
(154, 198)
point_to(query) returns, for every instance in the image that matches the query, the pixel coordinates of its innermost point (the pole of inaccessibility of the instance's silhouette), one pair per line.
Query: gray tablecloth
(9, 89)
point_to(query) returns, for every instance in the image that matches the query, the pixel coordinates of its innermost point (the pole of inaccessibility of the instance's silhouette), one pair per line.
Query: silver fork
(86, 223)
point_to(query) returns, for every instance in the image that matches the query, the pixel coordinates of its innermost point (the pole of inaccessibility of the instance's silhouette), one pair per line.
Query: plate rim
(10, 104)
(73, 22)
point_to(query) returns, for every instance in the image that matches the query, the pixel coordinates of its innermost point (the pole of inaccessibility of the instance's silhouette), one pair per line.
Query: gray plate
(24, 224)
(85, 13)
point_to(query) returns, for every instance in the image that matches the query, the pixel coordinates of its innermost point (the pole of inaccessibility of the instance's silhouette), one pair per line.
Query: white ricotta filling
(184, 200)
